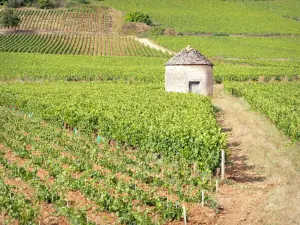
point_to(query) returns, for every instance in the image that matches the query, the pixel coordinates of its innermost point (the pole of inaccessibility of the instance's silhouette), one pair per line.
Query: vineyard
(95, 20)
(86, 31)
(82, 44)
(134, 69)
(30, 67)
(236, 47)
(278, 101)
(143, 116)
(88, 134)
(214, 16)
(239, 58)
(51, 174)
(255, 70)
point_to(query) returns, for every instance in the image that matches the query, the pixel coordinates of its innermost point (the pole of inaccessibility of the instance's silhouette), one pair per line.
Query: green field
(29, 66)
(82, 44)
(237, 47)
(138, 115)
(87, 19)
(244, 58)
(214, 16)
(254, 70)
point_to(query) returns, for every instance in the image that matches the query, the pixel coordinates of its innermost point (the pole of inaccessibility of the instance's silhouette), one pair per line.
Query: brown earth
(77, 199)
(48, 212)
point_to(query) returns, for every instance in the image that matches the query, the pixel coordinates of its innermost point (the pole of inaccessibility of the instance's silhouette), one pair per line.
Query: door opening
(194, 87)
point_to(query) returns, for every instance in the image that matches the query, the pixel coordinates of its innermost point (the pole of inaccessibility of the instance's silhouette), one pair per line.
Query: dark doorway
(194, 87)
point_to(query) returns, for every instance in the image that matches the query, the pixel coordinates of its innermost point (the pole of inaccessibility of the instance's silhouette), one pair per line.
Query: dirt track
(152, 44)
(263, 182)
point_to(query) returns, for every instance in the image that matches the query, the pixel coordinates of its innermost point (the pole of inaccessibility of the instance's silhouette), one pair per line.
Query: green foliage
(85, 19)
(105, 187)
(74, 68)
(236, 47)
(46, 4)
(244, 58)
(215, 16)
(20, 3)
(144, 116)
(254, 70)
(156, 31)
(278, 101)
(16, 205)
(132, 69)
(50, 4)
(77, 45)
(16, 3)
(137, 16)
(9, 18)
(84, 1)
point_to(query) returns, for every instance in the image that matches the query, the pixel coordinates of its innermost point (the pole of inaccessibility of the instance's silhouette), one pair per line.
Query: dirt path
(263, 183)
(152, 44)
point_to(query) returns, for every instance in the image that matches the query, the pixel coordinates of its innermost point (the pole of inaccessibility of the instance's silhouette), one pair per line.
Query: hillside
(214, 16)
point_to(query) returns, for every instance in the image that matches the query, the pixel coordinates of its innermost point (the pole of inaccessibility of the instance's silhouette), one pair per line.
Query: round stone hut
(189, 71)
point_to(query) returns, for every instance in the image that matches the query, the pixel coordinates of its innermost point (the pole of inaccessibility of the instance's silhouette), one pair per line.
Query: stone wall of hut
(183, 78)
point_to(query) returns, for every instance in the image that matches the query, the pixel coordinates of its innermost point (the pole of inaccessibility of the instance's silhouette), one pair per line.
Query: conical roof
(189, 56)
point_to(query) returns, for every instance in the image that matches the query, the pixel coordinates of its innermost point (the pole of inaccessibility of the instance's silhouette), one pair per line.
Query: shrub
(136, 16)
(84, 1)
(156, 31)
(18, 3)
(48, 4)
(15, 3)
(220, 34)
(9, 18)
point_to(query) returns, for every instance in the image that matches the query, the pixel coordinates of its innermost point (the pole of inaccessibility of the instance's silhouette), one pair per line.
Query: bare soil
(152, 44)
(48, 212)
(76, 199)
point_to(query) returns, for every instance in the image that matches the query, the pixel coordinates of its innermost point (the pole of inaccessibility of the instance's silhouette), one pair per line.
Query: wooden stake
(217, 186)
(184, 215)
(202, 199)
(223, 165)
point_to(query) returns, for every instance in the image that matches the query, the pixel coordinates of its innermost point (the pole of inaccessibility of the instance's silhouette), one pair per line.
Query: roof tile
(189, 56)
